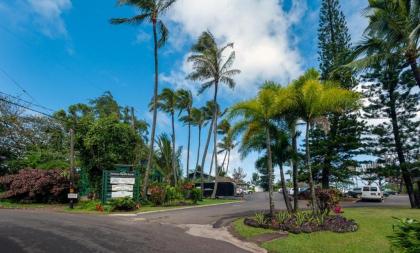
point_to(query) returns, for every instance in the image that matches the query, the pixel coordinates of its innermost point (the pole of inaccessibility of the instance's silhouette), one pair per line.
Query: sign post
(71, 196)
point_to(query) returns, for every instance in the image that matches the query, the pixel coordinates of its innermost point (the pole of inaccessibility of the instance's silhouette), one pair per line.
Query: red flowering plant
(157, 194)
(34, 185)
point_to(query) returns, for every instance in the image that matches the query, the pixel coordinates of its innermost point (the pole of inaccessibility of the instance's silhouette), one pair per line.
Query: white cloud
(355, 20)
(259, 29)
(48, 16)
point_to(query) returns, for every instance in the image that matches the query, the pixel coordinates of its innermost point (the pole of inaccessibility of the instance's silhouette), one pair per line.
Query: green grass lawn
(90, 206)
(14, 205)
(375, 224)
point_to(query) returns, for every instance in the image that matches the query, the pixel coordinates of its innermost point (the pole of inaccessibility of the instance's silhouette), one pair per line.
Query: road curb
(172, 209)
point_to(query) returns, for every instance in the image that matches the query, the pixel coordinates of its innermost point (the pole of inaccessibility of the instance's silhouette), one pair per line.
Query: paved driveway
(190, 230)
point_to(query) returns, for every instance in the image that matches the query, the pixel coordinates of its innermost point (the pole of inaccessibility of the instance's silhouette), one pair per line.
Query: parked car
(355, 193)
(291, 190)
(372, 193)
(304, 193)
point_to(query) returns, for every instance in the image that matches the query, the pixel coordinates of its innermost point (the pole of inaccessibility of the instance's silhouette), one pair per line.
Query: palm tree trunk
(203, 159)
(216, 169)
(152, 135)
(227, 165)
(416, 71)
(174, 167)
(414, 202)
(295, 170)
(284, 189)
(189, 143)
(224, 159)
(270, 173)
(211, 163)
(198, 152)
(308, 165)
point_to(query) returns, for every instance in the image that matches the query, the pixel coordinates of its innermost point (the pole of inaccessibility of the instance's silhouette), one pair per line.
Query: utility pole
(133, 121)
(71, 166)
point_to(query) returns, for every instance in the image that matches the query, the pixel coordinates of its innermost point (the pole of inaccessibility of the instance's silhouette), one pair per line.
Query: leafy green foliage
(196, 195)
(406, 236)
(122, 204)
(260, 218)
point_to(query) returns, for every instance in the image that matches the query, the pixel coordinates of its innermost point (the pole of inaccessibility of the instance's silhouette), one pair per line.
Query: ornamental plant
(36, 186)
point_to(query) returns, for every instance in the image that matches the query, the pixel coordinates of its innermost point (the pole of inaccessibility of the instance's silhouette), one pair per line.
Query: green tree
(150, 11)
(210, 67)
(398, 23)
(256, 116)
(168, 102)
(184, 103)
(106, 143)
(313, 99)
(164, 158)
(389, 93)
(336, 149)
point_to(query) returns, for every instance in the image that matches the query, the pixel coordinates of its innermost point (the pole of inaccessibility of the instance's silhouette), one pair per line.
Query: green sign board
(119, 183)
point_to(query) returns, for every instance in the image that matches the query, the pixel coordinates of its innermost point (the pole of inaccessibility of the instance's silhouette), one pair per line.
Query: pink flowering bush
(34, 185)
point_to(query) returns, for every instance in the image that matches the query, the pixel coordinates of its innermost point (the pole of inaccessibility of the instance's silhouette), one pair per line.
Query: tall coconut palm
(312, 100)
(256, 116)
(184, 103)
(207, 111)
(167, 102)
(226, 146)
(397, 23)
(211, 68)
(198, 120)
(150, 11)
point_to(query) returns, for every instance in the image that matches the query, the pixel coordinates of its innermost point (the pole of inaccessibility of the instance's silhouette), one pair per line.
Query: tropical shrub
(327, 199)
(34, 185)
(186, 188)
(157, 194)
(196, 195)
(406, 237)
(172, 194)
(122, 204)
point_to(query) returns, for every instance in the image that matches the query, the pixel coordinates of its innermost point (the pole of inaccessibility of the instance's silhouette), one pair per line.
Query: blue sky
(65, 51)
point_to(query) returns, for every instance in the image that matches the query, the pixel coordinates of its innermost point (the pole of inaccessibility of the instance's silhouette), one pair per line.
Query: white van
(372, 193)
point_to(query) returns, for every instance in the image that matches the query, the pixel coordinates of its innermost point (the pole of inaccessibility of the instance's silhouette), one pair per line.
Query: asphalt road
(44, 231)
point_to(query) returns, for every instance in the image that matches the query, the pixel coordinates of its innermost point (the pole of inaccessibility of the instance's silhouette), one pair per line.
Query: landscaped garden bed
(302, 221)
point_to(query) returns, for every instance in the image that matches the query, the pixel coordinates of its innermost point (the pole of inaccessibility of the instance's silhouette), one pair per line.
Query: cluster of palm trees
(268, 123)
(210, 68)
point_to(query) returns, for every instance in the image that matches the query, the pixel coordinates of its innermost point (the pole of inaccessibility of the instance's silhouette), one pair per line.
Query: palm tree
(207, 111)
(164, 156)
(197, 119)
(211, 68)
(312, 100)
(150, 10)
(257, 116)
(388, 61)
(185, 102)
(226, 146)
(397, 23)
(167, 102)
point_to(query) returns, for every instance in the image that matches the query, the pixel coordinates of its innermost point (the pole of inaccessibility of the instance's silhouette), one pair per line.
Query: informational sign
(119, 184)
(122, 180)
(72, 196)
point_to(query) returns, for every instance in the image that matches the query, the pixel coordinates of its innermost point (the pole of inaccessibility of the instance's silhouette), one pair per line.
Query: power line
(33, 110)
(17, 84)
(27, 102)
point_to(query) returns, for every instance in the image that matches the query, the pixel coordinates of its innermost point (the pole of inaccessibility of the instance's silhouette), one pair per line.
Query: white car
(372, 193)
